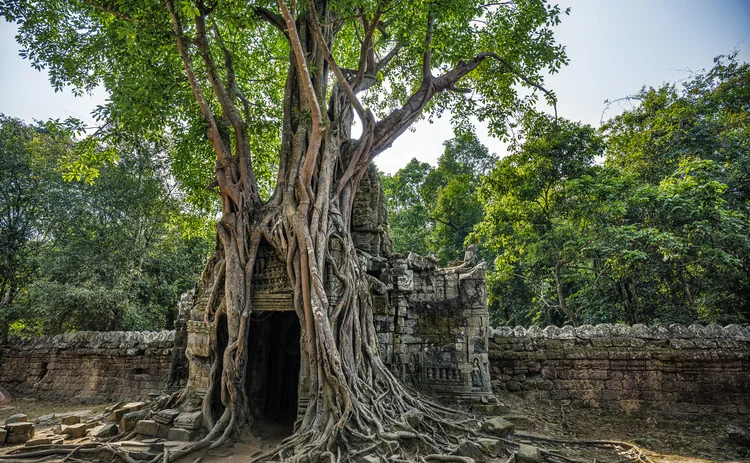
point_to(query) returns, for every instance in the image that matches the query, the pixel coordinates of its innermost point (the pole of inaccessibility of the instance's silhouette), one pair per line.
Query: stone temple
(432, 323)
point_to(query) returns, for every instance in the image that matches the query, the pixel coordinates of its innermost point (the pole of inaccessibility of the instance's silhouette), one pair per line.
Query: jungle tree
(275, 88)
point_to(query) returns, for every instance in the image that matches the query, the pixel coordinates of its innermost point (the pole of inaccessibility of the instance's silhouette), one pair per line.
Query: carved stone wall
(432, 325)
(89, 366)
(671, 368)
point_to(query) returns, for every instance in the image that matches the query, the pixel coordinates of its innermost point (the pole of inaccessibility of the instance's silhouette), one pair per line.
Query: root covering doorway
(274, 367)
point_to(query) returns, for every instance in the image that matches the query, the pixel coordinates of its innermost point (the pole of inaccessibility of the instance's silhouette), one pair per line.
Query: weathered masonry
(432, 323)
(671, 368)
(695, 369)
(88, 366)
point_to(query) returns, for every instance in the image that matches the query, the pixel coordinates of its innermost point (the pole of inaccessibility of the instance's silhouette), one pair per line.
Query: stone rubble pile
(143, 423)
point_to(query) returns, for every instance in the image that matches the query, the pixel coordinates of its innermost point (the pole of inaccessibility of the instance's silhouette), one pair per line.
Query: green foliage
(658, 233)
(130, 49)
(532, 225)
(450, 195)
(26, 163)
(433, 210)
(407, 214)
(114, 253)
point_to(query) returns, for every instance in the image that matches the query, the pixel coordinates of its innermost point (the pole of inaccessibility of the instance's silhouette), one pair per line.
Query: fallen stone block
(118, 413)
(130, 419)
(183, 435)
(151, 428)
(498, 427)
(105, 430)
(192, 420)
(166, 416)
(70, 420)
(74, 430)
(493, 446)
(39, 441)
(45, 418)
(529, 453)
(19, 433)
(134, 406)
(471, 450)
(17, 418)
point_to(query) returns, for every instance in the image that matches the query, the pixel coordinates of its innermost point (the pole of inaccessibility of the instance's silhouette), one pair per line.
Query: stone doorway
(274, 367)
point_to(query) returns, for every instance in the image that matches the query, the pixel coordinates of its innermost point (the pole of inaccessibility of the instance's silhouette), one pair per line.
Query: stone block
(166, 417)
(404, 280)
(151, 428)
(17, 418)
(46, 440)
(134, 406)
(70, 420)
(146, 427)
(74, 430)
(498, 427)
(529, 453)
(471, 450)
(3, 435)
(493, 446)
(104, 431)
(193, 420)
(19, 433)
(183, 435)
(130, 419)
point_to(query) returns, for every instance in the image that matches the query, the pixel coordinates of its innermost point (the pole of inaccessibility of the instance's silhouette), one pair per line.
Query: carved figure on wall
(476, 374)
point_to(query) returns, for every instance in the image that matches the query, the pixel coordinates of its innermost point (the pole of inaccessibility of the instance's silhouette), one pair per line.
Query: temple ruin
(432, 323)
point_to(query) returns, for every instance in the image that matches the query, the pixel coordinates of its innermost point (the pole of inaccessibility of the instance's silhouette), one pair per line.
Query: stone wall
(432, 325)
(88, 366)
(674, 368)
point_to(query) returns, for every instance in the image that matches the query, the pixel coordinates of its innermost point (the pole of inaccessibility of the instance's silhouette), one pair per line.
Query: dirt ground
(673, 437)
(669, 437)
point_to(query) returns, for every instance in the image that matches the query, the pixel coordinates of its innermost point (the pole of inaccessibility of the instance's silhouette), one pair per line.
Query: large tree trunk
(353, 397)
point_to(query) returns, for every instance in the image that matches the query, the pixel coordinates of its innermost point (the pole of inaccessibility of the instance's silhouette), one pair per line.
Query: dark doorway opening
(273, 367)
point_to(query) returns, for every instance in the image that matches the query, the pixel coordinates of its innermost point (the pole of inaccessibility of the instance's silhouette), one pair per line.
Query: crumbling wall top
(639, 331)
(101, 340)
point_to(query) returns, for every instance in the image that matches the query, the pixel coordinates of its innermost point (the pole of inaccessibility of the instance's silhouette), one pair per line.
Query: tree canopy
(643, 222)
(433, 210)
(115, 254)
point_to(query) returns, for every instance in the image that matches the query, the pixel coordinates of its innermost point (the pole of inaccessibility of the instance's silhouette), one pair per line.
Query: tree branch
(213, 132)
(370, 79)
(308, 89)
(222, 151)
(526, 79)
(427, 59)
(242, 150)
(393, 125)
(366, 54)
(271, 18)
(334, 67)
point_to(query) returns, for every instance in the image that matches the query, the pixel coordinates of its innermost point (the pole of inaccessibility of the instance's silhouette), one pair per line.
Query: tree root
(640, 455)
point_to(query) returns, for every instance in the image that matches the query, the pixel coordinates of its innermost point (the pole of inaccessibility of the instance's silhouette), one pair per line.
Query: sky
(615, 48)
